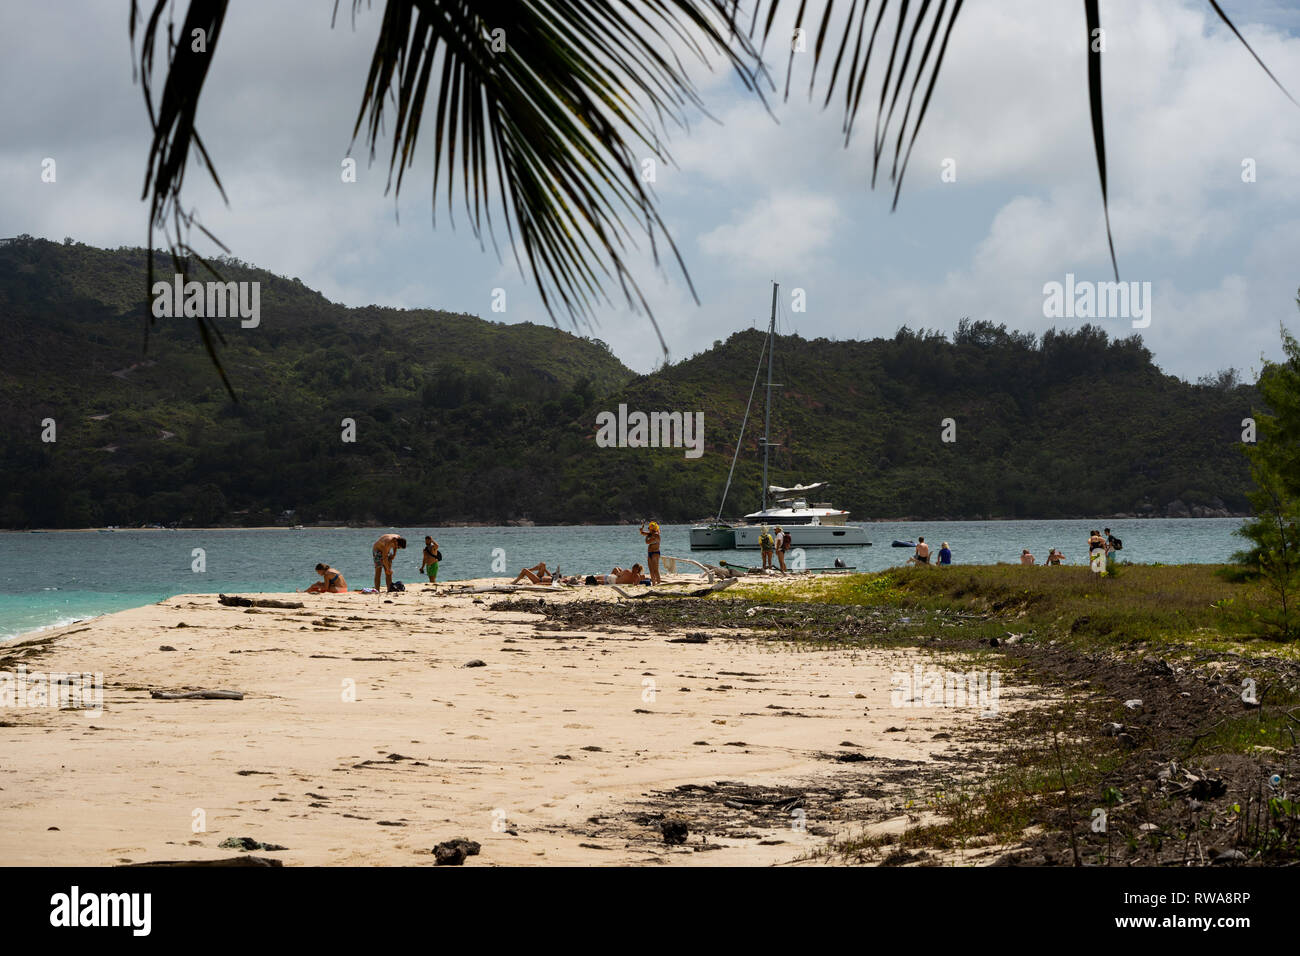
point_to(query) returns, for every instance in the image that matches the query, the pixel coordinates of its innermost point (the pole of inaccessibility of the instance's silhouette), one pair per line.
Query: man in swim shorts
(382, 553)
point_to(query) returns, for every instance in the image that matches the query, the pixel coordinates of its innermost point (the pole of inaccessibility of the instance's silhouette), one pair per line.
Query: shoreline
(906, 519)
(764, 580)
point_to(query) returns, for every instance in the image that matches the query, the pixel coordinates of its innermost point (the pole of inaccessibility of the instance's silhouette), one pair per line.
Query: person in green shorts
(429, 560)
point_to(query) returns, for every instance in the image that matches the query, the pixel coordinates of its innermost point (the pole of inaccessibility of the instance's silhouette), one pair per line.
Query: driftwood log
(698, 592)
(197, 694)
(234, 600)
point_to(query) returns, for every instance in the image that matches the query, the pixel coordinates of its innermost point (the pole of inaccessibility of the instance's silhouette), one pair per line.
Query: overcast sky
(753, 196)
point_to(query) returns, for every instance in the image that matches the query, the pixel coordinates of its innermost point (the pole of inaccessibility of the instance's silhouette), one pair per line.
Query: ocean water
(55, 578)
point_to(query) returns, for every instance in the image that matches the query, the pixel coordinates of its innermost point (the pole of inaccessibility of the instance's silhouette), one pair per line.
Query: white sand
(484, 742)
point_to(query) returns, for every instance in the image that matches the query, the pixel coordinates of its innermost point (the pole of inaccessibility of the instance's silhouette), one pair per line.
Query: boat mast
(767, 418)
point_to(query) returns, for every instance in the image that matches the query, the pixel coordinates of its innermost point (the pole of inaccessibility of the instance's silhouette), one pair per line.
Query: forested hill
(460, 419)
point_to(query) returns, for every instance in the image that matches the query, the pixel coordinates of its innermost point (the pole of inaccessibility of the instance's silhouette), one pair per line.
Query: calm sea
(51, 579)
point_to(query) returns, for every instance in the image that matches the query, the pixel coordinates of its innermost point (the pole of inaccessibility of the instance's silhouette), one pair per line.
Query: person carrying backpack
(767, 546)
(1113, 544)
(430, 558)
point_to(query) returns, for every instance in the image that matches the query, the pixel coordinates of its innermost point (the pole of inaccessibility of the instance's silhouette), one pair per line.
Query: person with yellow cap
(651, 536)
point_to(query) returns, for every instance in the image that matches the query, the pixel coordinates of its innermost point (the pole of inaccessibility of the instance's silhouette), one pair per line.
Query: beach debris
(166, 647)
(1133, 704)
(694, 637)
(1112, 729)
(1159, 667)
(675, 830)
(234, 600)
(1207, 788)
(197, 694)
(656, 593)
(852, 757)
(248, 843)
(227, 861)
(475, 663)
(453, 852)
(1220, 857)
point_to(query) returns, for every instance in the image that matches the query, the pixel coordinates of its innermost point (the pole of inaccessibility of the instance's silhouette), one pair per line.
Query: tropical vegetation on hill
(461, 419)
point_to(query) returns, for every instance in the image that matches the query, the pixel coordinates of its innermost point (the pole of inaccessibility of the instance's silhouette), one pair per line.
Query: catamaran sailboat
(809, 527)
(821, 525)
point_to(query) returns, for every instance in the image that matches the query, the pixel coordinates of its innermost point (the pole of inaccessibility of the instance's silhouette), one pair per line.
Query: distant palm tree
(549, 102)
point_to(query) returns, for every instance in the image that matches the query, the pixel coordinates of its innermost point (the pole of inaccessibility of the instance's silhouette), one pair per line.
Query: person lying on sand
(537, 574)
(723, 570)
(625, 575)
(619, 575)
(383, 552)
(333, 582)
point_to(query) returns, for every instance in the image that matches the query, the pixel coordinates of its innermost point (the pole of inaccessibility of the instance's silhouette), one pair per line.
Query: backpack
(398, 586)
(438, 555)
(765, 542)
(1116, 543)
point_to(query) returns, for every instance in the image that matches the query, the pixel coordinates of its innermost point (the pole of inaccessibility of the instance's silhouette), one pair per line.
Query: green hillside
(459, 419)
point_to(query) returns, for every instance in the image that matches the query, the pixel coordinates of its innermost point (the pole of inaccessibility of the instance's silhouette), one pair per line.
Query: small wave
(55, 625)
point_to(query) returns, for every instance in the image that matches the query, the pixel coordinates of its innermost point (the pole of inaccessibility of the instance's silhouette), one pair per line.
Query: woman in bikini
(333, 582)
(537, 574)
(652, 549)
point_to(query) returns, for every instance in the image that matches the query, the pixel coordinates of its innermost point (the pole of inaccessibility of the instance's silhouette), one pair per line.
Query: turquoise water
(56, 578)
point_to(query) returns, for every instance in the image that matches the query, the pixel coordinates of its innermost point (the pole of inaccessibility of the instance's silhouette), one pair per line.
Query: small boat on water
(821, 525)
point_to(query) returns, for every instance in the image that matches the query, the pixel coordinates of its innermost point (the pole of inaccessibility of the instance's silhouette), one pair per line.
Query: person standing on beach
(1097, 552)
(430, 558)
(766, 546)
(782, 545)
(651, 536)
(1113, 544)
(382, 553)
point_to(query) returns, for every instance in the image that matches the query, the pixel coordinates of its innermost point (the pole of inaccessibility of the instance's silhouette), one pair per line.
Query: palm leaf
(550, 129)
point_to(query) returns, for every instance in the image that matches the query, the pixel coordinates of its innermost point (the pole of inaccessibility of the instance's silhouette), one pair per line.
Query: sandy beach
(363, 738)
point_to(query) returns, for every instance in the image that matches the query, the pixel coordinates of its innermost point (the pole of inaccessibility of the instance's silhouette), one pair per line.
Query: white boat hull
(807, 536)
